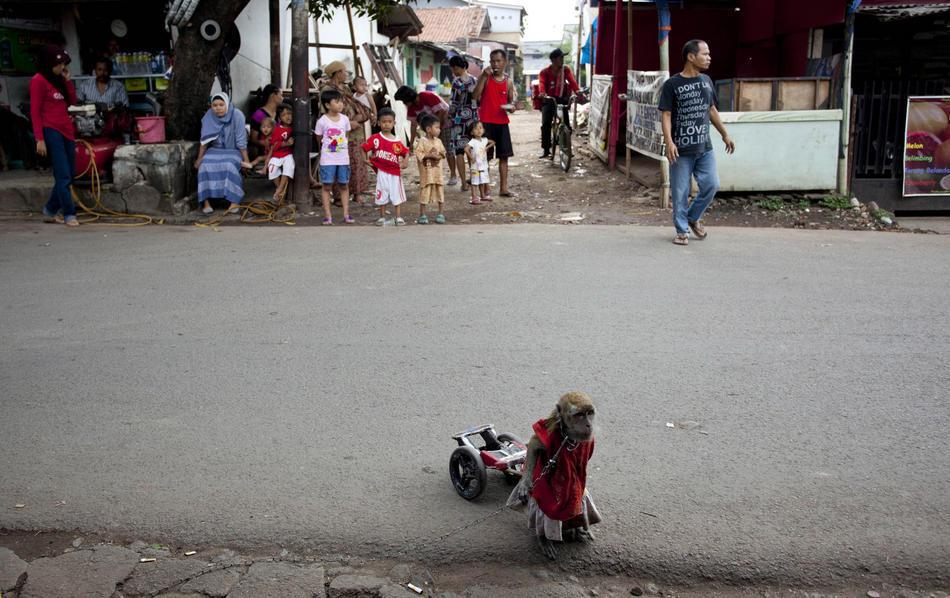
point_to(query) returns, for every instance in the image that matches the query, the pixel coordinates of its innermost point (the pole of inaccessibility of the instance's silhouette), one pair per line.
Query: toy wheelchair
(469, 463)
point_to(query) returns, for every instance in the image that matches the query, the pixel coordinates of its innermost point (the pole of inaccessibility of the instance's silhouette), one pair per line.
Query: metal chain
(472, 523)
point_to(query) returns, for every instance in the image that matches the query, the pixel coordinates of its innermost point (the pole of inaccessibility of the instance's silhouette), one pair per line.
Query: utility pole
(299, 55)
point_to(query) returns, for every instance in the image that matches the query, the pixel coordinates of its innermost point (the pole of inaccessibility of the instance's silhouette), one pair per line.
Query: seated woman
(222, 155)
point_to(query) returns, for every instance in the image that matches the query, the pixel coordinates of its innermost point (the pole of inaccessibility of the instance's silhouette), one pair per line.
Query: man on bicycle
(556, 84)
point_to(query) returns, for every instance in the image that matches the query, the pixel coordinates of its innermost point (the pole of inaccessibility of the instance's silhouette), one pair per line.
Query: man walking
(556, 83)
(688, 103)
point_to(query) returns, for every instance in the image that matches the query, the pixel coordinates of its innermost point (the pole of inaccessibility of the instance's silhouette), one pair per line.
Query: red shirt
(280, 135)
(560, 494)
(553, 85)
(428, 103)
(386, 153)
(494, 95)
(48, 107)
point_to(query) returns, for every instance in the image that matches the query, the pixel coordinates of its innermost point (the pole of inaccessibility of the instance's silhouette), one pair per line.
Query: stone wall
(153, 178)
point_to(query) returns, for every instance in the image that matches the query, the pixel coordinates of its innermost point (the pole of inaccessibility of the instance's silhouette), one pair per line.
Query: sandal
(71, 221)
(328, 222)
(681, 240)
(207, 210)
(698, 229)
(56, 218)
(348, 220)
(486, 198)
(476, 202)
(506, 194)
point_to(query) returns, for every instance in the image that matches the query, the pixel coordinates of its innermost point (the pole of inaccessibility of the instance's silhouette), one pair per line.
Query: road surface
(301, 385)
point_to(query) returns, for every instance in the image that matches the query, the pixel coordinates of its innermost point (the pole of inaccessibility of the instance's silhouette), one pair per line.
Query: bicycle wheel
(564, 142)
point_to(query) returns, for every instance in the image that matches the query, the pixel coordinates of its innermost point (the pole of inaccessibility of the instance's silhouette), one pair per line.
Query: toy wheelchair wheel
(467, 472)
(511, 441)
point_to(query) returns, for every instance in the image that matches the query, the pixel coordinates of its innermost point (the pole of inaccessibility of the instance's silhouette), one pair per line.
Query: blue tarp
(591, 42)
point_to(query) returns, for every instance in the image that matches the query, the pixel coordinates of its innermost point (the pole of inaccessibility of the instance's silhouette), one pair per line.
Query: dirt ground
(591, 194)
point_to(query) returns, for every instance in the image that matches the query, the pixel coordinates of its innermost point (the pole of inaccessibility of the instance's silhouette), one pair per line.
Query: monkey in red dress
(554, 485)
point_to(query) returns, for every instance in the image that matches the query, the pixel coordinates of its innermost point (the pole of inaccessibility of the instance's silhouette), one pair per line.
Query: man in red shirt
(557, 83)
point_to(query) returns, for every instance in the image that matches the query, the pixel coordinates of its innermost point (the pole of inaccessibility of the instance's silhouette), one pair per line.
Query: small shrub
(804, 204)
(835, 202)
(771, 204)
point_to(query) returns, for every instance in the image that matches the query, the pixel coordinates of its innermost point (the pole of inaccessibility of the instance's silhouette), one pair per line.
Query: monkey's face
(578, 419)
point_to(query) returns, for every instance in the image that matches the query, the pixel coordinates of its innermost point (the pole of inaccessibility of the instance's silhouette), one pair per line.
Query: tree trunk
(300, 54)
(196, 62)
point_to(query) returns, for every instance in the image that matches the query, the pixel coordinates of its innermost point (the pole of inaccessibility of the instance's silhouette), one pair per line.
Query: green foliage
(374, 9)
(804, 204)
(879, 213)
(835, 202)
(771, 204)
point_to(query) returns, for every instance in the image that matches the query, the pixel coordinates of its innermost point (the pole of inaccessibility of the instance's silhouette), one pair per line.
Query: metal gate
(880, 113)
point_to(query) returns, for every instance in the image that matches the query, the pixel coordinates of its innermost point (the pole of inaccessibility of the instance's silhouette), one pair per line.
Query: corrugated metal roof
(889, 10)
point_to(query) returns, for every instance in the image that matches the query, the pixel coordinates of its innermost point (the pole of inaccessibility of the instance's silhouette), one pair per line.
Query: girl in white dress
(477, 153)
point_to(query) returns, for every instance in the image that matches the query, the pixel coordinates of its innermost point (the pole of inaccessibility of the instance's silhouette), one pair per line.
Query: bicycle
(561, 125)
(562, 128)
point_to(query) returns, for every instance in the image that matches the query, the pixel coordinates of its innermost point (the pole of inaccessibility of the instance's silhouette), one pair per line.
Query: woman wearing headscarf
(222, 155)
(51, 94)
(463, 112)
(358, 113)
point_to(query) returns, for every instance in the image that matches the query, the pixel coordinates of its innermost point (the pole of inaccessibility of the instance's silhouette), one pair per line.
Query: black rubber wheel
(564, 142)
(506, 440)
(467, 472)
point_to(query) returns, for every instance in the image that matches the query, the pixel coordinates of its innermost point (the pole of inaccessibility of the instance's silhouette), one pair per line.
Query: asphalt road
(300, 386)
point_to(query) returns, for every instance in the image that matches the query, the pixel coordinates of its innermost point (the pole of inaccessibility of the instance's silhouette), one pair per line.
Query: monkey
(554, 483)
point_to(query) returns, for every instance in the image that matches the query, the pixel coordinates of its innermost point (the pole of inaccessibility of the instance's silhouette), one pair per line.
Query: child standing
(387, 156)
(496, 97)
(430, 152)
(331, 131)
(280, 166)
(267, 127)
(477, 152)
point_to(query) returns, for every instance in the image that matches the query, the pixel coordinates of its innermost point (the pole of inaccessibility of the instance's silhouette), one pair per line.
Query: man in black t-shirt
(688, 104)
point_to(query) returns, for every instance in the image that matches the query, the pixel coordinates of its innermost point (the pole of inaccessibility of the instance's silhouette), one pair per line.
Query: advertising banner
(644, 121)
(927, 146)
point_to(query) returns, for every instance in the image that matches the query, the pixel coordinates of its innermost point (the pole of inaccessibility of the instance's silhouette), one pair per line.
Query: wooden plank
(753, 96)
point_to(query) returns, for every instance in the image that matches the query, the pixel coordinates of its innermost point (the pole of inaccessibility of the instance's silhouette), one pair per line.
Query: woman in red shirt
(51, 93)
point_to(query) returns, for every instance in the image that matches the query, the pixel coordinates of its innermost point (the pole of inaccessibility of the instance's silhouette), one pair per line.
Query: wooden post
(664, 25)
(274, 10)
(846, 100)
(613, 130)
(577, 63)
(357, 65)
(299, 55)
(629, 66)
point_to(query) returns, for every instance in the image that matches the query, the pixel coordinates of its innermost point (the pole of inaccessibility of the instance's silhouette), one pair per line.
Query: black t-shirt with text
(689, 99)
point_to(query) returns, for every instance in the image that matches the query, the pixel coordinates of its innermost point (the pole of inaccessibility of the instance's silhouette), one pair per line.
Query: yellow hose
(254, 212)
(98, 212)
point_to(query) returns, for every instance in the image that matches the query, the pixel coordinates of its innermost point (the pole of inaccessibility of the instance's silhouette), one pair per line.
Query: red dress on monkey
(559, 500)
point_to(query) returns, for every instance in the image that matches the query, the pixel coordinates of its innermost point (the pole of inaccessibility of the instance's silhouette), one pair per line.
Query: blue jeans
(62, 152)
(334, 173)
(703, 167)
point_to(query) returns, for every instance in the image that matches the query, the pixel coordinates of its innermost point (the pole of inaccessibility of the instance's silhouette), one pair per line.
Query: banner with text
(599, 114)
(644, 122)
(927, 146)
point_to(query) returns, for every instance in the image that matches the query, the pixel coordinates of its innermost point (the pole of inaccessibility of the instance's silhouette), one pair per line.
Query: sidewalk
(65, 565)
(587, 194)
